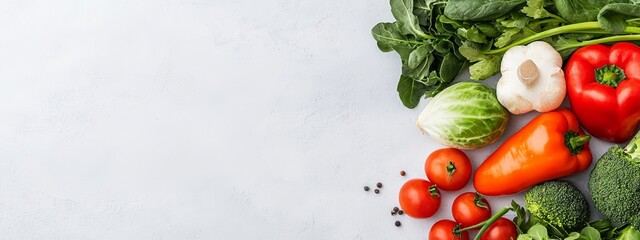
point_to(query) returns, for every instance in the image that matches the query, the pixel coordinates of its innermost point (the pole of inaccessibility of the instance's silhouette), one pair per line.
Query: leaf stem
(619, 38)
(485, 224)
(551, 32)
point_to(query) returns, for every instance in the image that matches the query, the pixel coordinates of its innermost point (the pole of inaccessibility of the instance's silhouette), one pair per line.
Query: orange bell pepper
(551, 146)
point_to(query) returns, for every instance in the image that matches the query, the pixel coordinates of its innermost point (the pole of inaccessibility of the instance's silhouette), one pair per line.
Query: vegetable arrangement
(436, 39)
(527, 41)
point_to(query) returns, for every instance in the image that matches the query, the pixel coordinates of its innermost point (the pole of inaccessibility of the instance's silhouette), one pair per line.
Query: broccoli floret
(558, 203)
(615, 185)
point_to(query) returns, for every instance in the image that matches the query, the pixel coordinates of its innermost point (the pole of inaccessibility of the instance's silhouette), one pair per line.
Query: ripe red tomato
(419, 198)
(470, 209)
(501, 229)
(448, 168)
(443, 230)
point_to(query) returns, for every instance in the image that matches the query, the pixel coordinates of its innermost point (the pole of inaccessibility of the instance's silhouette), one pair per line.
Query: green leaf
(488, 29)
(517, 20)
(408, 24)
(472, 34)
(629, 233)
(613, 17)
(538, 232)
(468, 10)
(573, 236)
(423, 9)
(450, 67)
(508, 35)
(471, 51)
(590, 233)
(536, 10)
(485, 68)
(419, 55)
(444, 46)
(387, 35)
(388, 38)
(421, 71)
(410, 91)
(577, 11)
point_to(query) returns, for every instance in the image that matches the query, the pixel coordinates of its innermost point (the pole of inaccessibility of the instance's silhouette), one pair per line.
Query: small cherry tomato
(501, 229)
(419, 198)
(443, 230)
(448, 168)
(470, 209)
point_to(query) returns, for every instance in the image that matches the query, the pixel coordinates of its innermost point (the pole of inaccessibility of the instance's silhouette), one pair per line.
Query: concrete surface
(206, 119)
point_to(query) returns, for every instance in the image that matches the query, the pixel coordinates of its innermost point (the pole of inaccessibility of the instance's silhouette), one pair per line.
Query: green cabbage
(466, 115)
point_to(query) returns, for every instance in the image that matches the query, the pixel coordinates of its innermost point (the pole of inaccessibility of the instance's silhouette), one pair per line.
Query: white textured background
(205, 119)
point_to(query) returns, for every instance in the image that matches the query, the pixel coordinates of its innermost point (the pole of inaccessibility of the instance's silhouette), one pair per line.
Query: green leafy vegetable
(479, 10)
(402, 10)
(435, 39)
(577, 11)
(613, 17)
(466, 115)
(410, 91)
(537, 232)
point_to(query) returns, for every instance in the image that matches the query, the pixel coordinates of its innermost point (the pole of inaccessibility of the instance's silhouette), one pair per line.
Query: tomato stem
(451, 169)
(484, 224)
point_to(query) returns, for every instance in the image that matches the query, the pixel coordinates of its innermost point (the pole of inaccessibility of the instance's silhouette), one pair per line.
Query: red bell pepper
(603, 84)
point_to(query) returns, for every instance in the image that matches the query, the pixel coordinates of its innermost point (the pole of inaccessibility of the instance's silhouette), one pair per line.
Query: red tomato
(470, 209)
(443, 230)
(501, 229)
(419, 198)
(448, 168)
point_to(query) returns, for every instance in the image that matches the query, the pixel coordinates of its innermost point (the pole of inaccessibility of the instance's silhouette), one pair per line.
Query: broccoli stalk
(614, 184)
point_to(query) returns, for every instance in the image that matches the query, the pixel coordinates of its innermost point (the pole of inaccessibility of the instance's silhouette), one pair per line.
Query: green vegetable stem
(484, 224)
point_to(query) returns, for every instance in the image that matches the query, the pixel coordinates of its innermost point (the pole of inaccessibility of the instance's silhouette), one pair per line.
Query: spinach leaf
(479, 10)
(576, 11)
(450, 67)
(421, 70)
(422, 9)
(471, 51)
(387, 35)
(472, 34)
(488, 29)
(419, 55)
(389, 38)
(613, 17)
(402, 11)
(410, 91)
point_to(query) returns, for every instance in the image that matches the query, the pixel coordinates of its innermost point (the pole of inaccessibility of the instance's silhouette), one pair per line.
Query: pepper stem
(610, 75)
(575, 142)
